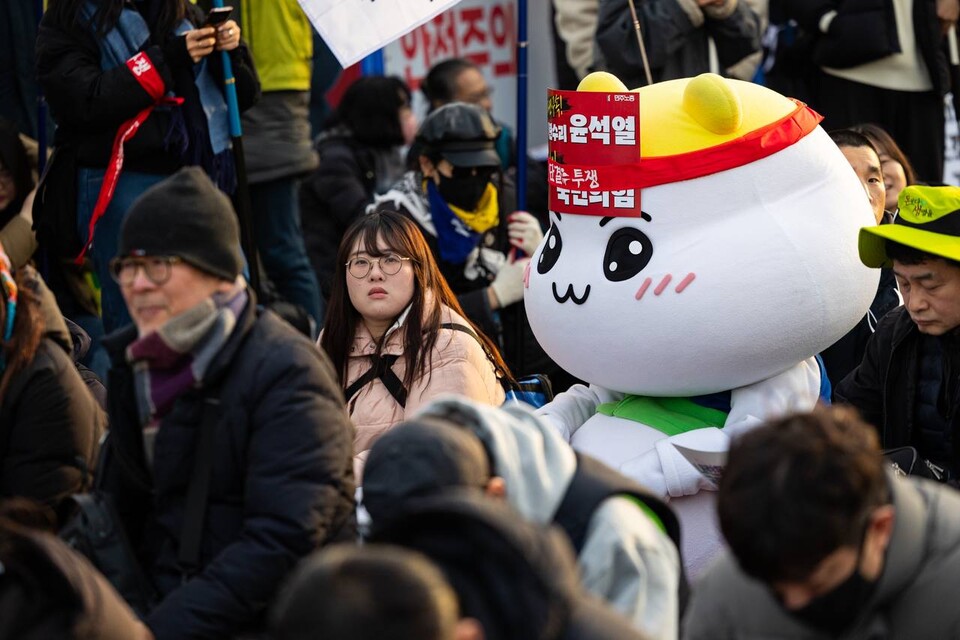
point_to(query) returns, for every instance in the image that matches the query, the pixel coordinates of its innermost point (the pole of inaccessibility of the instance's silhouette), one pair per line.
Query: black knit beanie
(185, 216)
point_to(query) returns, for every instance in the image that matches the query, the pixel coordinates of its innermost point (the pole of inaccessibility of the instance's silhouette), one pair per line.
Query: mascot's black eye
(628, 252)
(551, 251)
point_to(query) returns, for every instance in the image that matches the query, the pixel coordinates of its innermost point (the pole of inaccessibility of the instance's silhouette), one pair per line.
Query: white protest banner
(354, 29)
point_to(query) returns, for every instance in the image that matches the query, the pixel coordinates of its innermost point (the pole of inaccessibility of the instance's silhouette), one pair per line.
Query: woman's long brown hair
(422, 325)
(28, 329)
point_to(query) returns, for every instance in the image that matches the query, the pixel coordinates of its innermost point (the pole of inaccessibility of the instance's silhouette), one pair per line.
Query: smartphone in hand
(217, 16)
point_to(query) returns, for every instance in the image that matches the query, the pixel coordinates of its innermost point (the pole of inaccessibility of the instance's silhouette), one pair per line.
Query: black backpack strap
(463, 328)
(504, 381)
(195, 510)
(592, 483)
(383, 369)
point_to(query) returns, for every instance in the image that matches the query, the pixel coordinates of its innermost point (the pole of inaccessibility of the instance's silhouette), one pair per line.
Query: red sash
(146, 74)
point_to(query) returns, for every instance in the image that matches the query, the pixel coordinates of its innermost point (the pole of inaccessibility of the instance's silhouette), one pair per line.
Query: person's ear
(469, 629)
(496, 488)
(879, 532)
(881, 524)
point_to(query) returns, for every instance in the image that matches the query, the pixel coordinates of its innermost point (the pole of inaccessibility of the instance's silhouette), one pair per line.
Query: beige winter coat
(460, 366)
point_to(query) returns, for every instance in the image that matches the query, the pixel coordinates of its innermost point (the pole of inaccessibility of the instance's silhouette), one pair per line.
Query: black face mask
(464, 191)
(834, 612)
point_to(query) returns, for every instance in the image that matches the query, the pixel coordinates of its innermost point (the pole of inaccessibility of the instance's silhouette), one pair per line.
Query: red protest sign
(594, 144)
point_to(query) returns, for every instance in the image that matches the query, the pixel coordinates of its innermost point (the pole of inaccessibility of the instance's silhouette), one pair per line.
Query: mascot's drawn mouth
(570, 295)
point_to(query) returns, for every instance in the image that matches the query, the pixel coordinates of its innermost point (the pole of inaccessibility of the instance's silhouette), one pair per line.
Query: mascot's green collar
(670, 416)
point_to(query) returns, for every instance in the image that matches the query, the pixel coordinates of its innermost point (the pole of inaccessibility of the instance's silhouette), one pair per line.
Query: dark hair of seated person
(373, 592)
(798, 489)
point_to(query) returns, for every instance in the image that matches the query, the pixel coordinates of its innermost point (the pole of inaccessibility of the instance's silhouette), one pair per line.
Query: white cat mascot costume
(701, 319)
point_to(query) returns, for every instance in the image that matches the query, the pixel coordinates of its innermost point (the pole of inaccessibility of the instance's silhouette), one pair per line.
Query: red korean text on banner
(588, 132)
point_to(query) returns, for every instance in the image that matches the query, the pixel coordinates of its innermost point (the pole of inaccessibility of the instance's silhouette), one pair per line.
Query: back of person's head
(440, 84)
(799, 488)
(185, 216)
(374, 592)
(370, 108)
(16, 175)
(516, 578)
(421, 458)
(884, 144)
(49, 591)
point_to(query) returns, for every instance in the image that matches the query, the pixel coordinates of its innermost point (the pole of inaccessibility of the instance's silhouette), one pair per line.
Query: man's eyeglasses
(156, 268)
(389, 264)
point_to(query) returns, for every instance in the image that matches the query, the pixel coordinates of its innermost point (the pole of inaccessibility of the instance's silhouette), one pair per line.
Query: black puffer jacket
(884, 388)
(50, 424)
(89, 104)
(866, 30)
(281, 483)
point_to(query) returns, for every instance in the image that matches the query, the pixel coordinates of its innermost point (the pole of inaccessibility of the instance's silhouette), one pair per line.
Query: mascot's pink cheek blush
(643, 288)
(685, 282)
(526, 276)
(663, 285)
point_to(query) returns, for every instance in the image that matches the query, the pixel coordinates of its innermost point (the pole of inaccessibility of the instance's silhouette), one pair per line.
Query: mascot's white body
(731, 282)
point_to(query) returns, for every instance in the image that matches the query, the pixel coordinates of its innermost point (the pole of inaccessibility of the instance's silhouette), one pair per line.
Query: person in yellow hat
(908, 384)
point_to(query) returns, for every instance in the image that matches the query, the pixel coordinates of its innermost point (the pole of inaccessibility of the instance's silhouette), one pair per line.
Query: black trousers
(914, 119)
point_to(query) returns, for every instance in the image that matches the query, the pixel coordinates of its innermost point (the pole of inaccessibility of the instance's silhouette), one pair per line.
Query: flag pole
(242, 197)
(643, 49)
(41, 110)
(521, 105)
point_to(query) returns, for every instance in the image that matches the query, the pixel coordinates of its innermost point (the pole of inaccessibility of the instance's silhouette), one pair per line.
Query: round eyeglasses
(156, 268)
(389, 264)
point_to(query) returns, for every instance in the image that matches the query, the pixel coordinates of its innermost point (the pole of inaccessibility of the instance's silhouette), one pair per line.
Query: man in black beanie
(232, 450)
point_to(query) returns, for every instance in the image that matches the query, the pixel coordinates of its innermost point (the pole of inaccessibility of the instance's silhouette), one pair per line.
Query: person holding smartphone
(109, 65)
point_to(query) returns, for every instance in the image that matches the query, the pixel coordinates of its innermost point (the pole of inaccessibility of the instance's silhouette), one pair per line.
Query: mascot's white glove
(666, 472)
(508, 285)
(525, 231)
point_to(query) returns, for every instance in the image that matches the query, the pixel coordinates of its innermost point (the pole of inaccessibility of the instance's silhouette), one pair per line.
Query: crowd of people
(300, 423)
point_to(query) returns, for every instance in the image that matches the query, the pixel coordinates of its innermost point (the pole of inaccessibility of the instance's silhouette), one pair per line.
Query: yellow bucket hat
(928, 219)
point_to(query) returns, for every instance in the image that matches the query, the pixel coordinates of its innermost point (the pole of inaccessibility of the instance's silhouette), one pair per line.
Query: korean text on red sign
(589, 135)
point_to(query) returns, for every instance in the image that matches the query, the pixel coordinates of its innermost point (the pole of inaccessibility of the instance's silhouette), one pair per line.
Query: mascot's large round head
(743, 263)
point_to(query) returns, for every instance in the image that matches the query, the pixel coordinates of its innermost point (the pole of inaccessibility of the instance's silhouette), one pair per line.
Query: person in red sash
(136, 94)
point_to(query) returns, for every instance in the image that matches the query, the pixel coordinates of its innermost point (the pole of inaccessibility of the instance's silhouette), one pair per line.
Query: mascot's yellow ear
(601, 81)
(712, 102)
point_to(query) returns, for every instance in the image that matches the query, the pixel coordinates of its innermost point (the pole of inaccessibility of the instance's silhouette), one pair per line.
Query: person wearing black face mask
(458, 197)
(826, 541)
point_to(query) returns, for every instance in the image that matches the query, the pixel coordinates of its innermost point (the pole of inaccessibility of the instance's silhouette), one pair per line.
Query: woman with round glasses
(396, 333)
